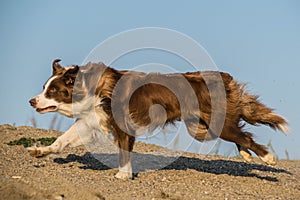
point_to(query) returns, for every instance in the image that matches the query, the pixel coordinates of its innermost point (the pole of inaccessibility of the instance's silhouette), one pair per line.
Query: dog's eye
(52, 90)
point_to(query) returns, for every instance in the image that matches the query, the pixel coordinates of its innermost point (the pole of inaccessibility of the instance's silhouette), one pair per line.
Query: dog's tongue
(47, 109)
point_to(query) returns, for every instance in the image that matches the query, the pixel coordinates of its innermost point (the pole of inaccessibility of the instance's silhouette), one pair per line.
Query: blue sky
(256, 41)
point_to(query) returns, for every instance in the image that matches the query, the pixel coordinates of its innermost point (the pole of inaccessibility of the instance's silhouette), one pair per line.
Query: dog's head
(58, 90)
(73, 90)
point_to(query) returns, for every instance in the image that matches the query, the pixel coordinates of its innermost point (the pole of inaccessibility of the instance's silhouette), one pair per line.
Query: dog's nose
(32, 102)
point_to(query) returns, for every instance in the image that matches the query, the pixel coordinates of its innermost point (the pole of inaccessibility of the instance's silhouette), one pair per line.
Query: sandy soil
(76, 174)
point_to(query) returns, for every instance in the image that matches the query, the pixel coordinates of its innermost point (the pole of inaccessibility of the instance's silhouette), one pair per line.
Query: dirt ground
(76, 174)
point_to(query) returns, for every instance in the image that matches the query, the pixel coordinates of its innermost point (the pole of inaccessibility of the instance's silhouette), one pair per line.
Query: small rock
(59, 197)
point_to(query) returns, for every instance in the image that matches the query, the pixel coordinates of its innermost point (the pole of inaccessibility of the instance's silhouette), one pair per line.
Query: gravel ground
(76, 174)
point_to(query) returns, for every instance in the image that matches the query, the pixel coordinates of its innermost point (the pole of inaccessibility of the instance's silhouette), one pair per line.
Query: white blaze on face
(44, 102)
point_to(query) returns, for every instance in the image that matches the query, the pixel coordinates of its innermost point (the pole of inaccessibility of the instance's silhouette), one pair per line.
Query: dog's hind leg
(245, 141)
(244, 152)
(198, 129)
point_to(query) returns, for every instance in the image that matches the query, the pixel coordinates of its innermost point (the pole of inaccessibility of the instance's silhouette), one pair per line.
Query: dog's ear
(57, 68)
(70, 75)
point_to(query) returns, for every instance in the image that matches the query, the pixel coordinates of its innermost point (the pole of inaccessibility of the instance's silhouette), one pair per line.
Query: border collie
(126, 103)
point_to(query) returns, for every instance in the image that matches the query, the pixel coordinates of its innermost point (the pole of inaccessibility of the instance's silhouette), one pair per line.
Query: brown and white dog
(124, 103)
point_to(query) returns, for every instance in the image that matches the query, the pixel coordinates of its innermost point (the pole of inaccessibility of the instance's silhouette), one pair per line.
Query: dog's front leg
(70, 137)
(125, 168)
(125, 157)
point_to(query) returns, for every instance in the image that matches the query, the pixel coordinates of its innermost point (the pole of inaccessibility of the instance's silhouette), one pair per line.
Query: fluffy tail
(254, 112)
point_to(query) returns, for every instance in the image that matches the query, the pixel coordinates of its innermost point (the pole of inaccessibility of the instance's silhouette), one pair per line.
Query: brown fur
(240, 106)
(136, 101)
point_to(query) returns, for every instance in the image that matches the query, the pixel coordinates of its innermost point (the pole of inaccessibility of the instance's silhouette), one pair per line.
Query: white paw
(36, 151)
(269, 159)
(124, 175)
(246, 156)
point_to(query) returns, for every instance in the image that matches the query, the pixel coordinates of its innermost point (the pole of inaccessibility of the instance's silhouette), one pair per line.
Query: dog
(126, 103)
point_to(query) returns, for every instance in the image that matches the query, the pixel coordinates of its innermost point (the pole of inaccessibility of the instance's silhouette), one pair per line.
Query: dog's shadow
(146, 162)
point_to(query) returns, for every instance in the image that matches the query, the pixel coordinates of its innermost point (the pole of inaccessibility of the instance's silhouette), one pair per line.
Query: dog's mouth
(47, 109)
